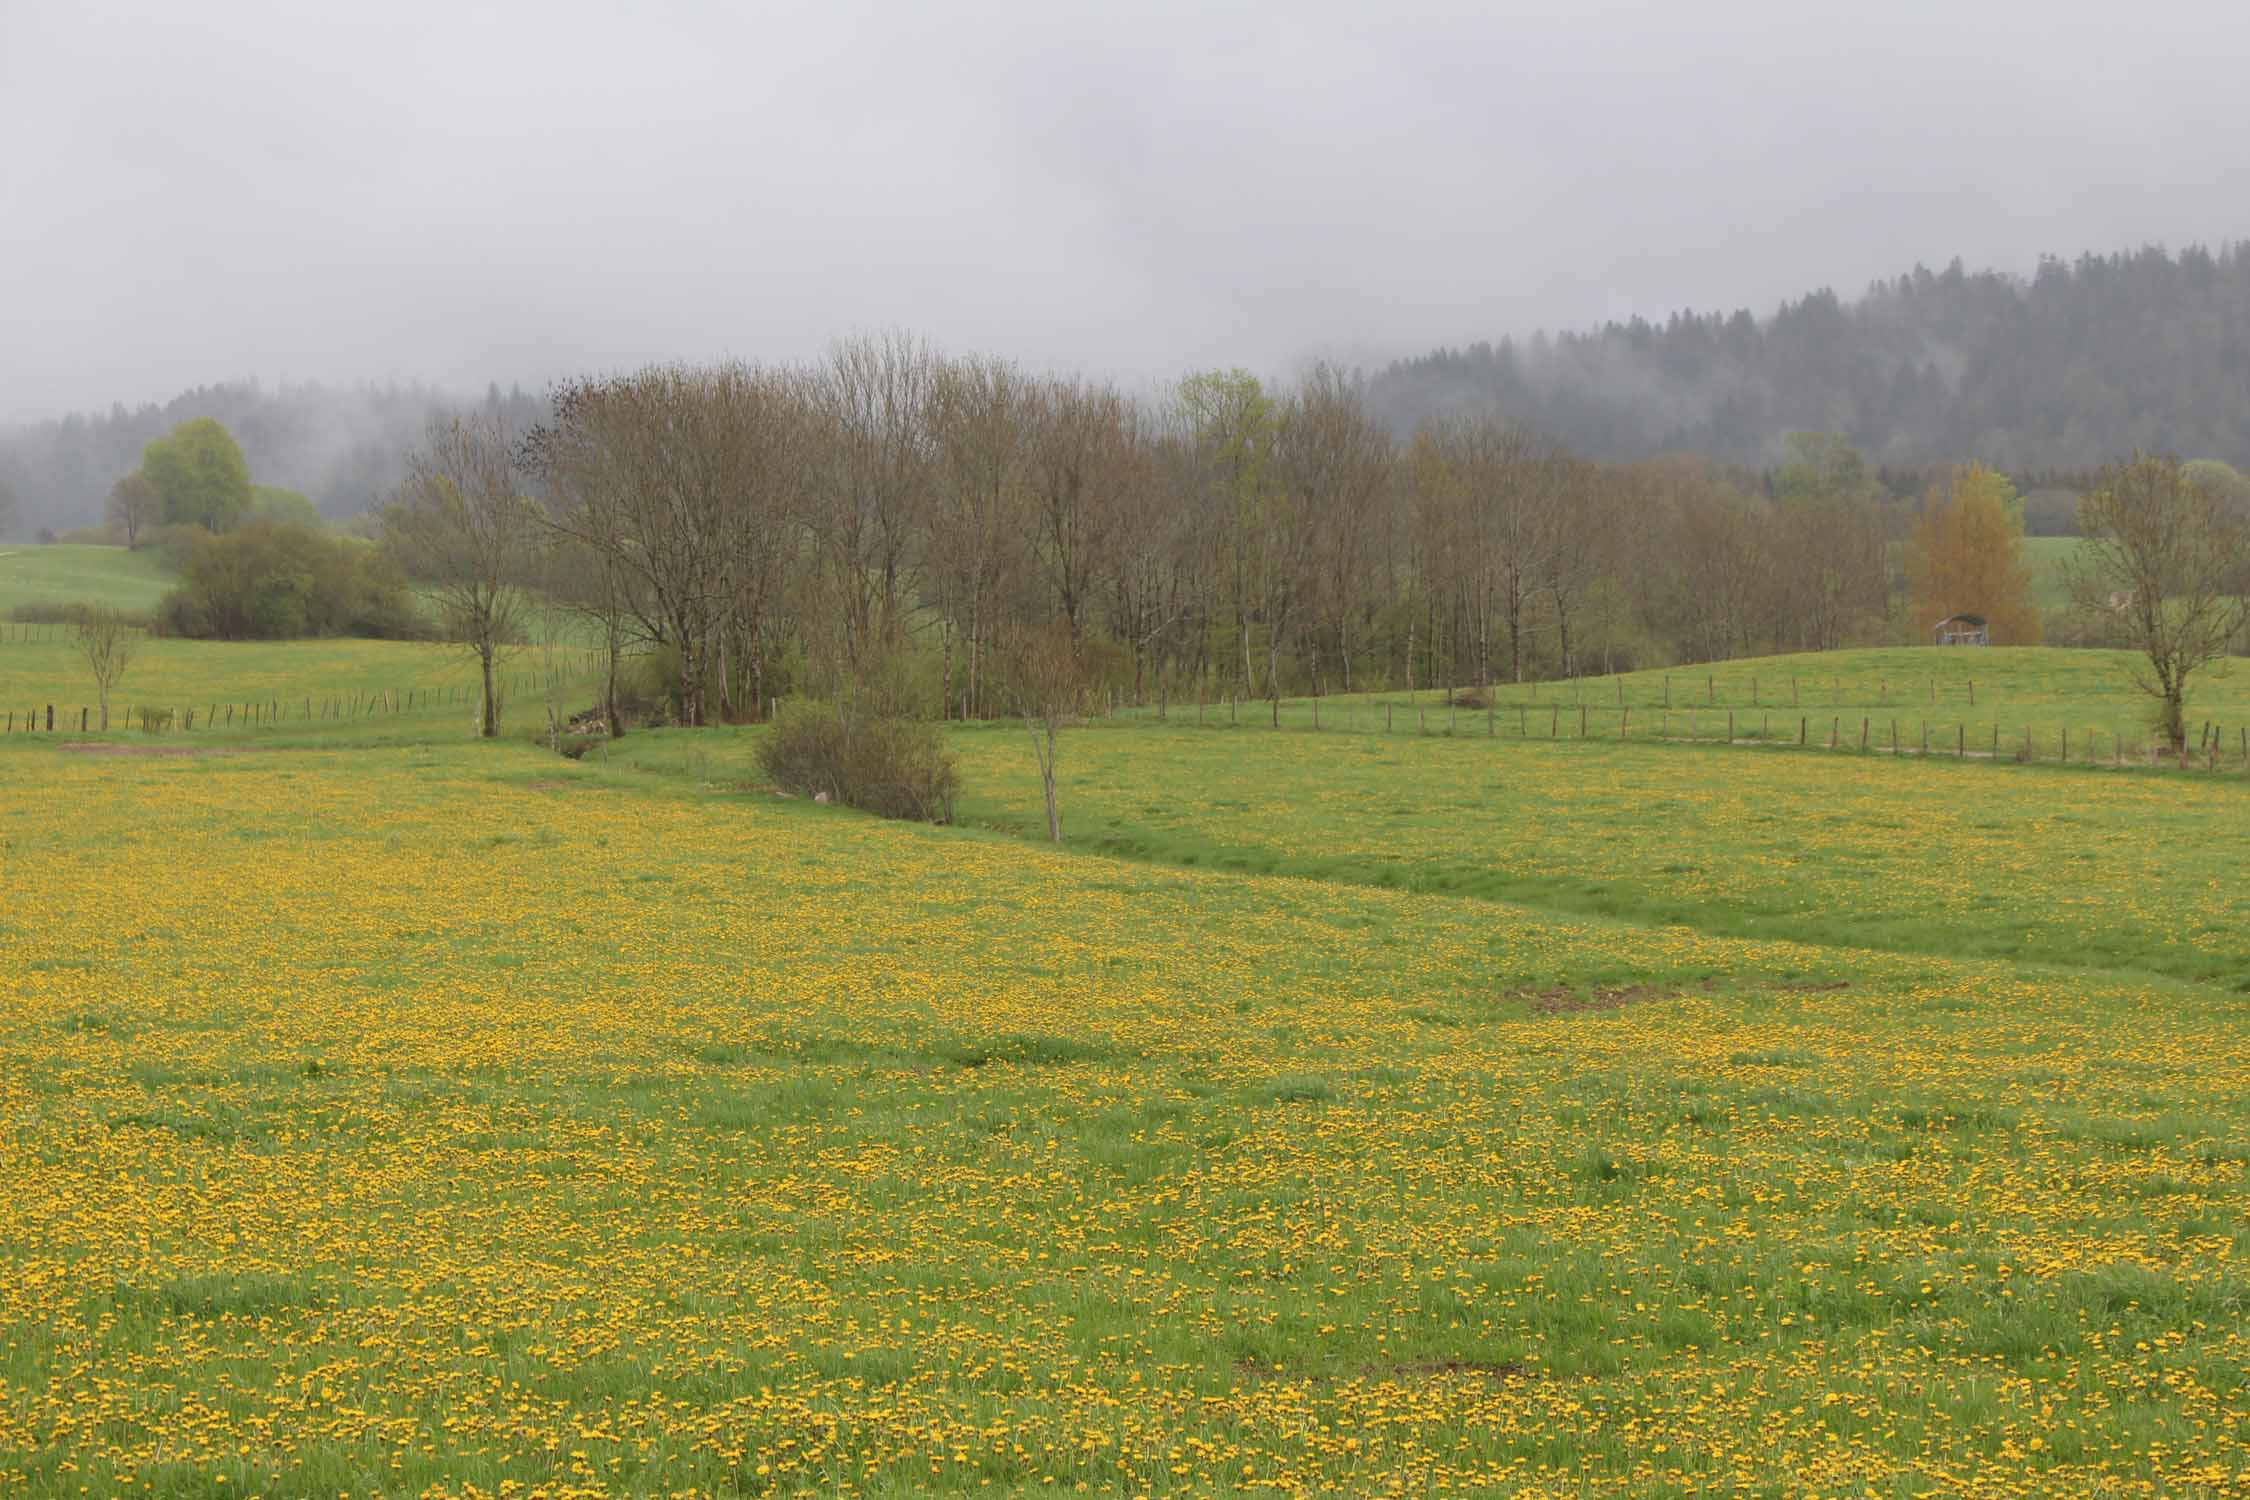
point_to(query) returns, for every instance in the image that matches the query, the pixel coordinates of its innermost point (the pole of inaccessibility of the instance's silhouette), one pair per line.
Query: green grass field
(383, 1113)
(63, 574)
(1959, 696)
(2048, 554)
(292, 679)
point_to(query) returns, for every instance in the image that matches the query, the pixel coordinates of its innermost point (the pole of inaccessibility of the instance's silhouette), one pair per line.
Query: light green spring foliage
(271, 503)
(199, 470)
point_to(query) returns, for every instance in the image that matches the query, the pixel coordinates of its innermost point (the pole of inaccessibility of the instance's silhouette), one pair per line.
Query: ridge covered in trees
(2055, 373)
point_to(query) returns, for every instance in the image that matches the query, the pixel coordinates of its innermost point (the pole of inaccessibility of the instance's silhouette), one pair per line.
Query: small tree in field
(137, 506)
(2160, 555)
(107, 643)
(462, 527)
(1047, 683)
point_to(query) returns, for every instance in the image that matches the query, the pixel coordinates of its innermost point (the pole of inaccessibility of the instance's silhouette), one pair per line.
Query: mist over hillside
(2060, 371)
(2051, 374)
(342, 445)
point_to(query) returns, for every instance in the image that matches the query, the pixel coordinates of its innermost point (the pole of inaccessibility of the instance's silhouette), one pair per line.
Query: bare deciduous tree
(135, 505)
(2160, 556)
(686, 483)
(461, 526)
(108, 644)
(1047, 682)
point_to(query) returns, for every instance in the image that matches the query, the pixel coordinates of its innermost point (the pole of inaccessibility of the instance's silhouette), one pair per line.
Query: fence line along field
(292, 678)
(1962, 697)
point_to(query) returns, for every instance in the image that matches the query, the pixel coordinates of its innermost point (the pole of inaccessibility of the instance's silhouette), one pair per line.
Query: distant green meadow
(62, 574)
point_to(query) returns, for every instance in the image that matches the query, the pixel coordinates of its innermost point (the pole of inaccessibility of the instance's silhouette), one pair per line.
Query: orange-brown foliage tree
(1967, 557)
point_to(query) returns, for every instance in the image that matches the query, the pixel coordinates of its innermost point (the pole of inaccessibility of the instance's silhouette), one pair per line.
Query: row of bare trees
(885, 520)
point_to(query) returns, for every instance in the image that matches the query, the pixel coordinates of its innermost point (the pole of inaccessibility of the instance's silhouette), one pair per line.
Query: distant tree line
(2053, 375)
(896, 525)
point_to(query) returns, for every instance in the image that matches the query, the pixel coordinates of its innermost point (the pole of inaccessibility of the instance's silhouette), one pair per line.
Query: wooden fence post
(1554, 724)
(1802, 722)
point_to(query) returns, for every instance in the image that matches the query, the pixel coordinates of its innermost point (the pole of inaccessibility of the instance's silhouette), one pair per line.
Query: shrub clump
(276, 580)
(898, 768)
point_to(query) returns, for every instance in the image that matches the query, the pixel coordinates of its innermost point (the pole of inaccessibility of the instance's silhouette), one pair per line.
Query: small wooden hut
(1961, 630)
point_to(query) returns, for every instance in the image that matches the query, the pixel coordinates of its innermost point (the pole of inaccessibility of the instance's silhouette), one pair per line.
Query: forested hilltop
(343, 446)
(2053, 374)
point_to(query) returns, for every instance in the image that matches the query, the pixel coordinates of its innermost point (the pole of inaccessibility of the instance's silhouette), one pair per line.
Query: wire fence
(2211, 746)
(298, 709)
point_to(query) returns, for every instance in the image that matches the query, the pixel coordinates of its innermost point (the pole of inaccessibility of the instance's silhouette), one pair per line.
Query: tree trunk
(489, 726)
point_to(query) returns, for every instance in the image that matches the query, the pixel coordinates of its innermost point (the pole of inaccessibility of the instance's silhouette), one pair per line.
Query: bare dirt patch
(1434, 1369)
(1565, 1000)
(1412, 1371)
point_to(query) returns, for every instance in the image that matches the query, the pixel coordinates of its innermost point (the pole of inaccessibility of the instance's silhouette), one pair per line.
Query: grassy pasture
(68, 574)
(2078, 867)
(180, 675)
(2047, 556)
(1960, 694)
(382, 1113)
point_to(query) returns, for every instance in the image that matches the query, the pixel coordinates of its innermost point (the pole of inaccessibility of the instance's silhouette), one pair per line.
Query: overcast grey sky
(458, 191)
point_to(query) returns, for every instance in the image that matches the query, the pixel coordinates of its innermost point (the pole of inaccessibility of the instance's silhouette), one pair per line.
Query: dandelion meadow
(459, 1121)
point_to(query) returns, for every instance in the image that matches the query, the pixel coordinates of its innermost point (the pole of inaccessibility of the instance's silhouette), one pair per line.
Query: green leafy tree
(199, 469)
(271, 503)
